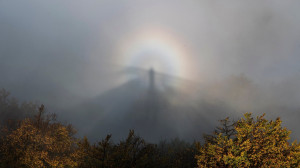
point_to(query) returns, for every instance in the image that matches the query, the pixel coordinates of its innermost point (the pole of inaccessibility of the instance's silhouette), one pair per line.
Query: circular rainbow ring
(157, 49)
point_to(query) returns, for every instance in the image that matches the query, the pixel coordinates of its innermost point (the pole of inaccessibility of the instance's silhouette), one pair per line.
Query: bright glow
(157, 49)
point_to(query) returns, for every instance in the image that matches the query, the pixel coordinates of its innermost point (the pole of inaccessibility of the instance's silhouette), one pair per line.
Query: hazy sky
(56, 51)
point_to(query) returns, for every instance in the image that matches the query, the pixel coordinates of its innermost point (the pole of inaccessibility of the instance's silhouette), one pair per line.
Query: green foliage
(256, 143)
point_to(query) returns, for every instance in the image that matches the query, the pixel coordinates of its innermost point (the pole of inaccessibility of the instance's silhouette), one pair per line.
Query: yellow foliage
(259, 143)
(40, 144)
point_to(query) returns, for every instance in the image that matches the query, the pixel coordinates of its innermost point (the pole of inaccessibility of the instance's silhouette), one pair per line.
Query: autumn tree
(86, 153)
(256, 143)
(39, 142)
(99, 155)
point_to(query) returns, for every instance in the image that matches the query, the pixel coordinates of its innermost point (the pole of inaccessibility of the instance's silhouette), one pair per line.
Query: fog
(72, 56)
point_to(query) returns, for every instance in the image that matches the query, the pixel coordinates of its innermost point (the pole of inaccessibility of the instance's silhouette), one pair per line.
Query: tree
(256, 143)
(40, 142)
(134, 152)
(11, 111)
(176, 153)
(97, 155)
(226, 129)
(86, 150)
(105, 150)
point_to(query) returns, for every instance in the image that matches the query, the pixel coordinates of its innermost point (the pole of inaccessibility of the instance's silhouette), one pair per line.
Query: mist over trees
(37, 139)
(64, 58)
(12, 110)
(149, 83)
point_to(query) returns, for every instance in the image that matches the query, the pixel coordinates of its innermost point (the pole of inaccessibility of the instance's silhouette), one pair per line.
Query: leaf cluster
(39, 142)
(254, 143)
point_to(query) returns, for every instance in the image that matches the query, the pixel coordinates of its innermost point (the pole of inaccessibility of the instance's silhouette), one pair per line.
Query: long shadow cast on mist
(142, 105)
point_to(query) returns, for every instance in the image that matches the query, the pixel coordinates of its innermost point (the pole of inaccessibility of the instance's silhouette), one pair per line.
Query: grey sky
(61, 52)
